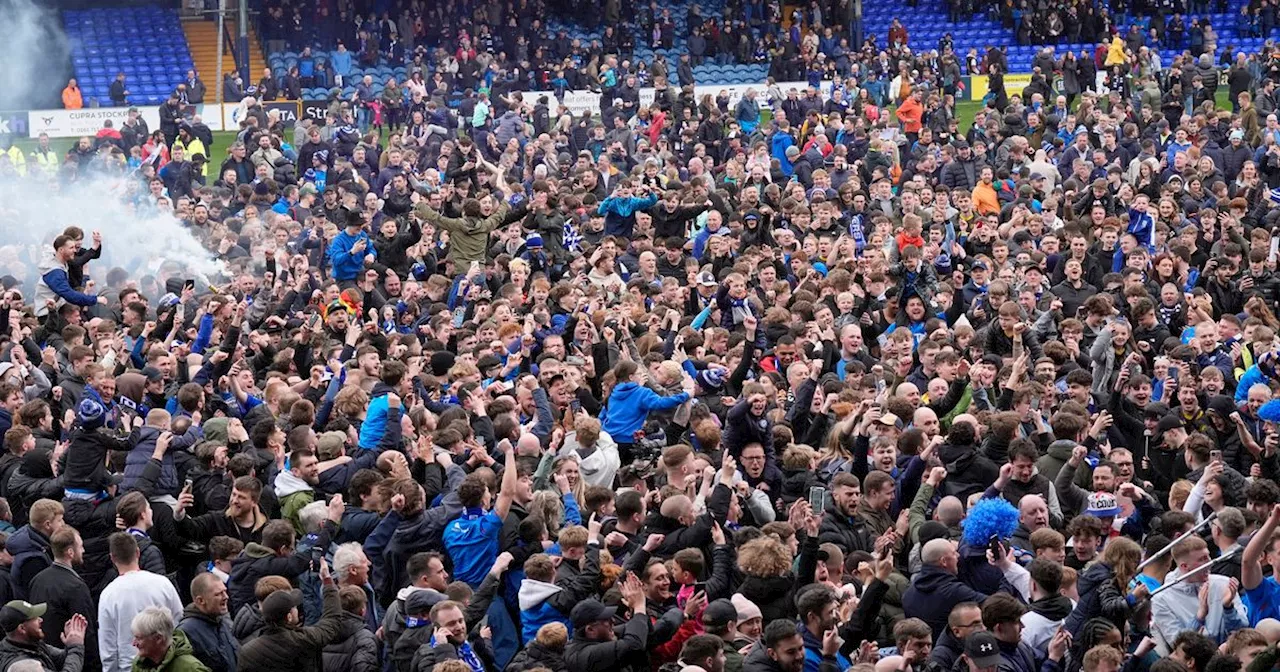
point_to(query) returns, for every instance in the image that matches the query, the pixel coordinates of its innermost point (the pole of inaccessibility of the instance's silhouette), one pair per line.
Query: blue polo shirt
(472, 542)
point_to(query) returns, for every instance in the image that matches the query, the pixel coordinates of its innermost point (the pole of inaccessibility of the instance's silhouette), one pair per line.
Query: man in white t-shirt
(125, 597)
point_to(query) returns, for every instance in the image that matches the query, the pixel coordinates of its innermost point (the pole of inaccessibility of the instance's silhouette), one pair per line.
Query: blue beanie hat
(91, 413)
(710, 379)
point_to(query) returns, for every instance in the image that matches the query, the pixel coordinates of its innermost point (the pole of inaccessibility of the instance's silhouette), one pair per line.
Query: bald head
(889, 664)
(950, 511)
(677, 506)
(935, 550)
(528, 444)
(1270, 628)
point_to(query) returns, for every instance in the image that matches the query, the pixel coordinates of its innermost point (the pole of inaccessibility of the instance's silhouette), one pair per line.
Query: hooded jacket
(1099, 597)
(1042, 620)
(628, 406)
(211, 639)
(179, 658)
(294, 493)
(31, 555)
(247, 624)
(33, 480)
(54, 286)
(536, 655)
(541, 602)
(932, 594)
(258, 561)
(968, 471)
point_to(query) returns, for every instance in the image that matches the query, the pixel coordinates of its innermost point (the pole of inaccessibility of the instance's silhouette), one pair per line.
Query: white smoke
(138, 238)
(36, 55)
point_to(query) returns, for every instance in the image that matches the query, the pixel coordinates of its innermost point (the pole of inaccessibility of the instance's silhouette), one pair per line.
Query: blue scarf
(466, 654)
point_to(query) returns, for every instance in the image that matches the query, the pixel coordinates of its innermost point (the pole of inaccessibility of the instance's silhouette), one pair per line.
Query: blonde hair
(764, 557)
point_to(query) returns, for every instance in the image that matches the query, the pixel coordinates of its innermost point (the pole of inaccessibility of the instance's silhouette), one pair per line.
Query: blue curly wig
(988, 517)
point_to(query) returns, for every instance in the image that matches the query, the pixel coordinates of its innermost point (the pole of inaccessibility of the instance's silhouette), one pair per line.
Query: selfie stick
(1191, 573)
(1173, 543)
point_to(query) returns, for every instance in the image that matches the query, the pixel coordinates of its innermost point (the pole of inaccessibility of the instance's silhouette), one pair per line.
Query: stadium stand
(145, 43)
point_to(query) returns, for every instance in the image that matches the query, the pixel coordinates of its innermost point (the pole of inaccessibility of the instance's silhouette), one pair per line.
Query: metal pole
(222, 20)
(1193, 572)
(242, 41)
(1173, 543)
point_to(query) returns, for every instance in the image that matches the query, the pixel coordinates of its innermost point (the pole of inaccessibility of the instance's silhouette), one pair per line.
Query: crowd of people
(793, 383)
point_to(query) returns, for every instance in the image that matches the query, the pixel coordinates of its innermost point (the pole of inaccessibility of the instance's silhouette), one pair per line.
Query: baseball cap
(591, 611)
(1102, 505)
(278, 605)
(1169, 422)
(706, 279)
(1237, 135)
(719, 613)
(891, 420)
(152, 374)
(17, 612)
(421, 601)
(982, 649)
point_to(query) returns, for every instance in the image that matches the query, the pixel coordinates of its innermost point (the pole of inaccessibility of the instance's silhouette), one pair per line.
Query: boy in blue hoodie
(375, 419)
(620, 209)
(629, 404)
(544, 600)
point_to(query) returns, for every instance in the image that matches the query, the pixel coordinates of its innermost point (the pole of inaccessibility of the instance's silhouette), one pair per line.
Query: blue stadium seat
(147, 43)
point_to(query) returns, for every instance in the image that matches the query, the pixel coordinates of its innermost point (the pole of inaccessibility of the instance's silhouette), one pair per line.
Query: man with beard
(817, 607)
(784, 650)
(66, 595)
(450, 642)
(242, 519)
(295, 487)
(25, 640)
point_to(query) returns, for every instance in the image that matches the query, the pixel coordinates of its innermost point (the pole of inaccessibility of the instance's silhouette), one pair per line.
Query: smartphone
(317, 556)
(575, 406)
(190, 284)
(186, 487)
(1173, 373)
(313, 320)
(1215, 456)
(994, 545)
(880, 386)
(699, 587)
(817, 498)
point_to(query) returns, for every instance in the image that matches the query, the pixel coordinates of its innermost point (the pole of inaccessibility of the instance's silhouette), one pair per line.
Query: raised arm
(506, 495)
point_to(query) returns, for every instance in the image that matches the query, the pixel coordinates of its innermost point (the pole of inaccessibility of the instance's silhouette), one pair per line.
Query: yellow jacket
(1115, 53)
(18, 159)
(192, 148)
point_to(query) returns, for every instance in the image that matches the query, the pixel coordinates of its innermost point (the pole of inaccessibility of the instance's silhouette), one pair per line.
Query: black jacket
(212, 639)
(537, 655)
(850, 533)
(66, 595)
(356, 649)
(280, 648)
(627, 653)
(258, 561)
